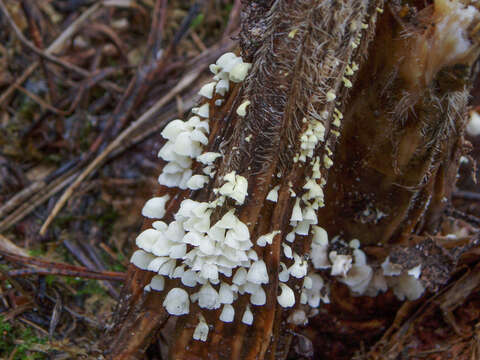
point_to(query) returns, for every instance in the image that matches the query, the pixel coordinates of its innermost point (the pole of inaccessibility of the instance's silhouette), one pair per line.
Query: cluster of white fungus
(362, 279)
(218, 258)
(186, 139)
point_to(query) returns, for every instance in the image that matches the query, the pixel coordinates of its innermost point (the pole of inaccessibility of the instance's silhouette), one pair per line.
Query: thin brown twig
(41, 102)
(53, 59)
(54, 46)
(43, 267)
(69, 273)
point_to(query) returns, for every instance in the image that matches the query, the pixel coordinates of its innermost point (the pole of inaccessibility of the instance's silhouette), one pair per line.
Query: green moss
(91, 287)
(19, 340)
(197, 21)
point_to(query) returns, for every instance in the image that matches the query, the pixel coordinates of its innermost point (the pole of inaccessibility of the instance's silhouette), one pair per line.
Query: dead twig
(43, 267)
(108, 85)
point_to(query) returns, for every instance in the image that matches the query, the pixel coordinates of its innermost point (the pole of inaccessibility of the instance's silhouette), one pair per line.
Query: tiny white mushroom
(298, 317)
(222, 87)
(207, 90)
(201, 330)
(390, 269)
(228, 313)
(176, 302)
(330, 96)
(297, 211)
(240, 276)
(141, 259)
(273, 194)
(263, 240)
(473, 126)
(258, 297)
(155, 207)
(287, 250)
(208, 157)
(197, 182)
(257, 273)
(286, 298)
(284, 274)
(208, 297)
(299, 267)
(247, 317)
(341, 264)
(147, 239)
(239, 72)
(225, 59)
(202, 111)
(242, 108)
(415, 271)
(157, 283)
(225, 293)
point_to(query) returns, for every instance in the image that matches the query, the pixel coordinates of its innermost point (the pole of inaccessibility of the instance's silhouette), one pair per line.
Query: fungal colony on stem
(217, 260)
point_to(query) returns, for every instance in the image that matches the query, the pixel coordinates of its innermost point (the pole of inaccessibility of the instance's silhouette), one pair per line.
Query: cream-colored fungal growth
(299, 267)
(191, 249)
(235, 187)
(157, 283)
(415, 271)
(228, 313)
(208, 158)
(473, 125)
(273, 194)
(346, 82)
(283, 275)
(319, 250)
(147, 239)
(406, 286)
(155, 207)
(247, 317)
(197, 182)
(141, 259)
(222, 87)
(242, 108)
(355, 272)
(313, 135)
(202, 111)
(286, 298)
(390, 269)
(267, 238)
(331, 96)
(298, 317)
(185, 142)
(358, 278)
(177, 302)
(257, 273)
(316, 293)
(327, 162)
(341, 264)
(201, 330)
(297, 211)
(239, 72)
(207, 90)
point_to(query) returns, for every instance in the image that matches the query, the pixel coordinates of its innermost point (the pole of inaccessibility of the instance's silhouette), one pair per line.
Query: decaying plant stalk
(390, 86)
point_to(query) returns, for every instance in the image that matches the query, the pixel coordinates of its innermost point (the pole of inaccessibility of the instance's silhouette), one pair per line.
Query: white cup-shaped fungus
(286, 298)
(177, 302)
